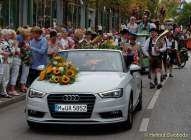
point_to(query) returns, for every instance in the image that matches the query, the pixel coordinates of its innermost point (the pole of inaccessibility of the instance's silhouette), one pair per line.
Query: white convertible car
(106, 91)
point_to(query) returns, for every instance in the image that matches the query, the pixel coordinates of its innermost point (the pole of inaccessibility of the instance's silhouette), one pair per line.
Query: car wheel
(129, 122)
(140, 103)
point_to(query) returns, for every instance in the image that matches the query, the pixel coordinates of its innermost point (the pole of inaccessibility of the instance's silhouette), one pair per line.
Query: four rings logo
(71, 98)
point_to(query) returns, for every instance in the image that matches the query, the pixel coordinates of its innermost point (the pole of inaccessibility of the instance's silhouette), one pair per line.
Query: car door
(137, 85)
(133, 80)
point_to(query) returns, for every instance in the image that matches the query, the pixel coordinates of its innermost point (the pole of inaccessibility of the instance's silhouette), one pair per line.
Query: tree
(183, 17)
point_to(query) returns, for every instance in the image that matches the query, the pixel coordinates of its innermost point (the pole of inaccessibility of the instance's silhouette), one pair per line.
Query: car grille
(88, 99)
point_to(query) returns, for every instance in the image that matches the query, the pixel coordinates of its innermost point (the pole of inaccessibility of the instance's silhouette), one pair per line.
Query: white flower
(61, 69)
(55, 62)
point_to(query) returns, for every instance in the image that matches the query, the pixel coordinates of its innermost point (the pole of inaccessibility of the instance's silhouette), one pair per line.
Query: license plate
(70, 108)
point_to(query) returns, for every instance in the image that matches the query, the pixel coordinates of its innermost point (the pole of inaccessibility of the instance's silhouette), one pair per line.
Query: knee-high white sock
(158, 77)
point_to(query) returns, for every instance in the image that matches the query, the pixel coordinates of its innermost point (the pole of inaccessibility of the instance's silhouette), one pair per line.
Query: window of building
(9, 13)
(73, 14)
(44, 12)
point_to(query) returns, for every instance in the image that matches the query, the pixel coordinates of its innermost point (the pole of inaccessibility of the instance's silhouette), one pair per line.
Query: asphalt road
(166, 115)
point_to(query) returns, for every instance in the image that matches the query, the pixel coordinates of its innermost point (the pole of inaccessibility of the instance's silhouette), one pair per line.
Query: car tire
(129, 122)
(140, 103)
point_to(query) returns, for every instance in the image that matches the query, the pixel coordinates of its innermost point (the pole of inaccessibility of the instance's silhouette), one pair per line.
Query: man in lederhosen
(152, 50)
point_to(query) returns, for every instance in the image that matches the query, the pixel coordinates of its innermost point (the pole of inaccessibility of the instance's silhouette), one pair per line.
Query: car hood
(86, 82)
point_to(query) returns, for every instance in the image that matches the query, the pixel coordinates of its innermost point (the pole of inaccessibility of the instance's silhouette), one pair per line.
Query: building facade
(48, 13)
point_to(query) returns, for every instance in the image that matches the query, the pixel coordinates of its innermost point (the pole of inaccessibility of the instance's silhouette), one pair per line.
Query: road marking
(154, 100)
(144, 125)
(145, 121)
(155, 97)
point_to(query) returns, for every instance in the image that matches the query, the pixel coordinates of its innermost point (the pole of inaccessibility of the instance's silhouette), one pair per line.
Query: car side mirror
(134, 68)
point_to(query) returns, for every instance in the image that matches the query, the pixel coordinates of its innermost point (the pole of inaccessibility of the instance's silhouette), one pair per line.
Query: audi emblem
(71, 98)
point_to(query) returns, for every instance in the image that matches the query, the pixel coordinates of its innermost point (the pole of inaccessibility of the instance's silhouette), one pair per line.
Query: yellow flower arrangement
(59, 71)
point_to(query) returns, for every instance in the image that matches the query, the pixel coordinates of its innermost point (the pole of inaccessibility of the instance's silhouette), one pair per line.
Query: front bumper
(101, 106)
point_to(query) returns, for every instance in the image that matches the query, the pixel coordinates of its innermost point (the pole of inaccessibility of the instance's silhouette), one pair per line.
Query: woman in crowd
(144, 26)
(71, 42)
(63, 43)
(53, 47)
(25, 58)
(132, 25)
(15, 66)
(6, 52)
(79, 38)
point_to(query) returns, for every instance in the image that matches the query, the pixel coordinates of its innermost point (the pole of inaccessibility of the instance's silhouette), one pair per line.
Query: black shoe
(152, 86)
(159, 86)
(170, 75)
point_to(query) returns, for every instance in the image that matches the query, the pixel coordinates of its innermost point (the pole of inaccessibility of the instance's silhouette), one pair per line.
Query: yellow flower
(54, 68)
(61, 69)
(56, 71)
(52, 79)
(42, 75)
(70, 73)
(55, 63)
(61, 60)
(56, 79)
(60, 64)
(65, 80)
(57, 58)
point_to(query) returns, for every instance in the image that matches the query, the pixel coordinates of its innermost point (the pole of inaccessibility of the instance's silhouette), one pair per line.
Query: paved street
(165, 111)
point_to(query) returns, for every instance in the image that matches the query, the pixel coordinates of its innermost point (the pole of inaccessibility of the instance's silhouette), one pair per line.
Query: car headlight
(118, 93)
(36, 94)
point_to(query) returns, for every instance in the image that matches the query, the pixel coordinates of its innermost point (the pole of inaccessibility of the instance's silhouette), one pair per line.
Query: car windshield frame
(123, 68)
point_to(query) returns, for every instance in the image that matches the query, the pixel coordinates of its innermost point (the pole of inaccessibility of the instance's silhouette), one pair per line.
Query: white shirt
(5, 46)
(169, 44)
(63, 44)
(145, 49)
(16, 49)
(133, 28)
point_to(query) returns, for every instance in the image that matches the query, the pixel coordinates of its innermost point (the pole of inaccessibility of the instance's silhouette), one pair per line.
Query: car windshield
(87, 60)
